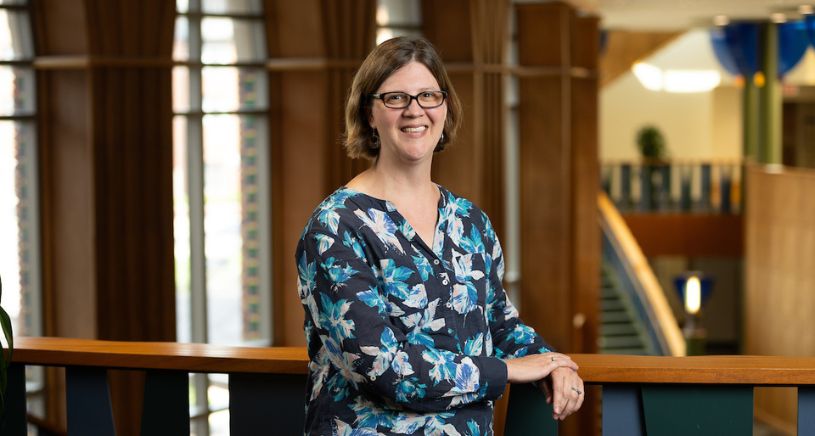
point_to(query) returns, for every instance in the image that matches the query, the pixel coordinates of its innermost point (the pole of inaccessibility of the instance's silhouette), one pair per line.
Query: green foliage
(5, 359)
(651, 143)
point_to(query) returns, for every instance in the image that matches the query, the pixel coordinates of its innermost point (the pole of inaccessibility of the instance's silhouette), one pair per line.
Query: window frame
(201, 408)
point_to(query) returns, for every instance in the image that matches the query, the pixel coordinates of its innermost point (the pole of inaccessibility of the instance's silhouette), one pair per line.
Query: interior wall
(779, 279)
(715, 116)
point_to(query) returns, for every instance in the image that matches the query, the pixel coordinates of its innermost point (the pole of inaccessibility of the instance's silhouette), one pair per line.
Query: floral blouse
(403, 338)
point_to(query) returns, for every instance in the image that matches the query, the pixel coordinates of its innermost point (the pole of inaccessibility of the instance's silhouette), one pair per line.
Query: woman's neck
(396, 183)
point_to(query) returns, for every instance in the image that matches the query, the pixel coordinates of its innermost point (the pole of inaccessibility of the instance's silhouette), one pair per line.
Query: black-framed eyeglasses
(401, 100)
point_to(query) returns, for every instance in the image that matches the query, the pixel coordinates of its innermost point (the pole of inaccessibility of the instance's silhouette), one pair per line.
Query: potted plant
(651, 145)
(5, 358)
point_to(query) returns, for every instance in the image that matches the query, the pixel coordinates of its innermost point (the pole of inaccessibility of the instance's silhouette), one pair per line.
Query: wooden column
(348, 31)
(470, 36)
(312, 61)
(560, 237)
(104, 77)
(447, 24)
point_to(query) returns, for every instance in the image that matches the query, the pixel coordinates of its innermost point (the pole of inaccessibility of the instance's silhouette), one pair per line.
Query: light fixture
(654, 78)
(721, 20)
(649, 76)
(693, 295)
(805, 9)
(778, 17)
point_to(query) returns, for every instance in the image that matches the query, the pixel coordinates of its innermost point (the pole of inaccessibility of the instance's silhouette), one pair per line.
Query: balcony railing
(686, 186)
(640, 394)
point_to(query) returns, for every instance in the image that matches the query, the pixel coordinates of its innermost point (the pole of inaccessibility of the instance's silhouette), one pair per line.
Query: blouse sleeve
(511, 337)
(343, 297)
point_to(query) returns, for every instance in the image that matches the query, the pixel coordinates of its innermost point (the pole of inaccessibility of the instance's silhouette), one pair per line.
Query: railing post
(13, 422)
(622, 410)
(806, 410)
(685, 184)
(725, 184)
(266, 404)
(706, 187)
(528, 413)
(88, 401)
(166, 403)
(647, 203)
(625, 187)
(665, 199)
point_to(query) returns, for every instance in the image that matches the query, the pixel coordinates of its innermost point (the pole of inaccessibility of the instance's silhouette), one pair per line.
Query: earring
(441, 140)
(375, 140)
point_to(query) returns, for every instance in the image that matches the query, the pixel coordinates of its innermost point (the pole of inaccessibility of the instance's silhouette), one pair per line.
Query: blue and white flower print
(404, 338)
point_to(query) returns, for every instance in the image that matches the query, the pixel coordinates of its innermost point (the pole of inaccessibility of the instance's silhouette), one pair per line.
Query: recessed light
(721, 20)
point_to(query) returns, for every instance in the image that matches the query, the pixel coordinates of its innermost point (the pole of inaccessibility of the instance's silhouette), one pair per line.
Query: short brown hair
(375, 69)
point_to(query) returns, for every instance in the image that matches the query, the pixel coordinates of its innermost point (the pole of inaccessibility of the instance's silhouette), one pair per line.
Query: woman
(409, 329)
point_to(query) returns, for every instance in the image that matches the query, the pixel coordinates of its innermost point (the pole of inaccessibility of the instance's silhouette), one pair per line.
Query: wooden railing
(640, 395)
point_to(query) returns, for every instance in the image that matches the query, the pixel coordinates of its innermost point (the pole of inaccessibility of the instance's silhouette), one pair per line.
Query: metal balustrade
(640, 394)
(686, 186)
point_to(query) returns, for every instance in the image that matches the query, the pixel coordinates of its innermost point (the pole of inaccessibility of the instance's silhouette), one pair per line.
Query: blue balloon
(809, 23)
(792, 44)
(722, 51)
(742, 41)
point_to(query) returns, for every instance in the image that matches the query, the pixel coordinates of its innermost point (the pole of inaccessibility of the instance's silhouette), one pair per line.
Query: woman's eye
(396, 97)
(427, 95)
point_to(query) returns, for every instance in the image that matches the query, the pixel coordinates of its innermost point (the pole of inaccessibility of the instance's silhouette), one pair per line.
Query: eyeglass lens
(399, 100)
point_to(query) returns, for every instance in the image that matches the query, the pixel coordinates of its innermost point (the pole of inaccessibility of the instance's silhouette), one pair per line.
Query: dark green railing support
(13, 420)
(166, 403)
(528, 413)
(622, 410)
(88, 401)
(698, 409)
(266, 404)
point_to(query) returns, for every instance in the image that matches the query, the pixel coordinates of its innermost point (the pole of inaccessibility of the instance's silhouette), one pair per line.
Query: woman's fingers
(568, 393)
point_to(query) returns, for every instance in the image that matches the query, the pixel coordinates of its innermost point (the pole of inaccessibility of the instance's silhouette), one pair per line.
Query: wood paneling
(624, 48)
(306, 121)
(779, 278)
(106, 157)
(558, 130)
(472, 34)
(690, 235)
(560, 251)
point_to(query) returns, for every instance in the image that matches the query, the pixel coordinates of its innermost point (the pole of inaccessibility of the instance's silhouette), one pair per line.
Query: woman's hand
(556, 374)
(529, 369)
(565, 388)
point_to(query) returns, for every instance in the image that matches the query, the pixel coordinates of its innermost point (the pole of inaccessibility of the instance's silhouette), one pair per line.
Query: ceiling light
(805, 9)
(649, 76)
(778, 18)
(721, 20)
(679, 81)
(685, 81)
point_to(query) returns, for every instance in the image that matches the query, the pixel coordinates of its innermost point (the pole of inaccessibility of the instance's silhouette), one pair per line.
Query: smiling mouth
(418, 129)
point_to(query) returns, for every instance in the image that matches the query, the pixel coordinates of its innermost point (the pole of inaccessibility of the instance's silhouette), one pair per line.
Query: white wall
(695, 125)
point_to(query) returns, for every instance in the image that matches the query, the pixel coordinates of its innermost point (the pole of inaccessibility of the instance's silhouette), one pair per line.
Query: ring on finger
(579, 392)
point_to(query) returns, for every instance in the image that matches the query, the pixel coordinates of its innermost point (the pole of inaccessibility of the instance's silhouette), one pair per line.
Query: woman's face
(410, 135)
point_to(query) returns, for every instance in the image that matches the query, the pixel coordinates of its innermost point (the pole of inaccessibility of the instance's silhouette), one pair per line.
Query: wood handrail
(594, 368)
(749, 370)
(610, 218)
(159, 355)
